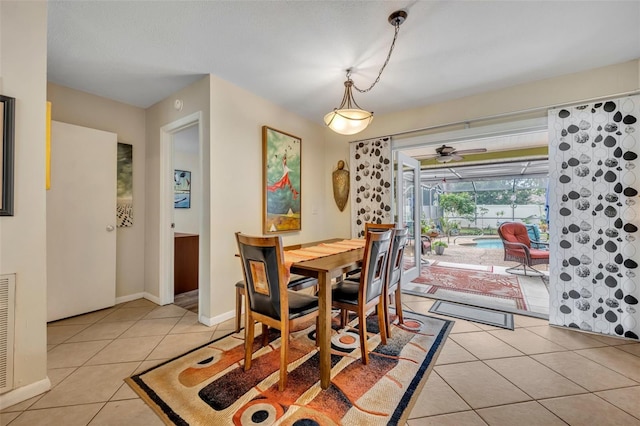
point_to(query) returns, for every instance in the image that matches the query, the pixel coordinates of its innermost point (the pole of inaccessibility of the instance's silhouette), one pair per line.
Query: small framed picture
(182, 189)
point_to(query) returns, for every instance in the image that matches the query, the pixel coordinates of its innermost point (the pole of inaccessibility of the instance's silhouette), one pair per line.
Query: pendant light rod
(396, 19)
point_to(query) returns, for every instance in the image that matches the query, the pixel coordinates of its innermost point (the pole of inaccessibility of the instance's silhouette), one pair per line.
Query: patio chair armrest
(518, 246)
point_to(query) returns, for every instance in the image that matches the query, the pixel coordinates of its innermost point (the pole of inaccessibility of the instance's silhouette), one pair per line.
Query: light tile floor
(534, 375)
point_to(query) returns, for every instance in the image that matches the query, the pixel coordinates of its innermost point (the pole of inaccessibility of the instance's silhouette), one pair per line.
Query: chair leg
(284, 357)
(385, 314)
(248, 341)
(362, 322)
(383, 319)
(343, 318)
(265, 335)
(239, 295)
(398, 305)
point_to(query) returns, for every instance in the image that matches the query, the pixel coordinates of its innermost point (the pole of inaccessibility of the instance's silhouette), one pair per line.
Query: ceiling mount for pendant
(349, 118)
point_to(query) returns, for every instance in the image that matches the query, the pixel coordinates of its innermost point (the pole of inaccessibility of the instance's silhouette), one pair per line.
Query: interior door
(81, 214)
(409, 203)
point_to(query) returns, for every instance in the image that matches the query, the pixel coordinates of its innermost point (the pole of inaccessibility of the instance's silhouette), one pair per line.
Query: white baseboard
(136, 296)
(129, 298)
(23, 393)
(210, 321)
(152, 298)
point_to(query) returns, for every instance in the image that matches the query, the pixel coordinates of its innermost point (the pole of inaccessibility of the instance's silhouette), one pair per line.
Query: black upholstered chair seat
(346, 292)
(301, 304)
(296, 282)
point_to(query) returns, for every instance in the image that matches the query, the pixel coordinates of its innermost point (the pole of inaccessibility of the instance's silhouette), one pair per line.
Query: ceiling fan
(445, 153)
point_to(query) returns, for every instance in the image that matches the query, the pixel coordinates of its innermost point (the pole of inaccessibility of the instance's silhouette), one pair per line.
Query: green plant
(439, 244)
(426, 226)
(458, 204)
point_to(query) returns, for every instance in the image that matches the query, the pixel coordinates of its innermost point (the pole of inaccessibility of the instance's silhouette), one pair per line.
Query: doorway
(503, 176)
(181, 201)
(187, 177)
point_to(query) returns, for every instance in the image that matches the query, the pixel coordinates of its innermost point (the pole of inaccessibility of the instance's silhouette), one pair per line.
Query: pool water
(489, 244)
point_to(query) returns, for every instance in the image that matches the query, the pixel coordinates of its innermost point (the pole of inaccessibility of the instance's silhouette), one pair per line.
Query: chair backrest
(514, 232)
(264, 274)
(374, 265)
(378, 227)
(396, 256)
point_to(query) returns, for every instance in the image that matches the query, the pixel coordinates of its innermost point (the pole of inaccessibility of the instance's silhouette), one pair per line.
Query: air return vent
(7, 303)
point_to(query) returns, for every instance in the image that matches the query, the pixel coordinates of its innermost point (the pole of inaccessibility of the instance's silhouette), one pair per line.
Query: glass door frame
(404, 164)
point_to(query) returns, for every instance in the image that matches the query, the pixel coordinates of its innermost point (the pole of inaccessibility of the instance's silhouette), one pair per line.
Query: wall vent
(7, 304)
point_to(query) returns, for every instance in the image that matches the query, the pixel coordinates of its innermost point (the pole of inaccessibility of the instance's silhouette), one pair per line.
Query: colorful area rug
(474, 286)
(209, 386)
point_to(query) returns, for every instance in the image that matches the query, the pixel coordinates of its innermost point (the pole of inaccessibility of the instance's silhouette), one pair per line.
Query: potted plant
(439, 246)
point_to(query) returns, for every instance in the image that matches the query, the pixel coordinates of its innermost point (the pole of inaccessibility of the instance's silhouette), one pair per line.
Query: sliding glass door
(408, 205)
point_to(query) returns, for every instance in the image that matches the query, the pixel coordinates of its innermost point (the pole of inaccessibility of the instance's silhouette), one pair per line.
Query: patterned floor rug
(477, 287)
(209, 386)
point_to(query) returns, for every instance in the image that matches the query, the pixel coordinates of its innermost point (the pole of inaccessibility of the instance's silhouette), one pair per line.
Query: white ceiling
(294, 53)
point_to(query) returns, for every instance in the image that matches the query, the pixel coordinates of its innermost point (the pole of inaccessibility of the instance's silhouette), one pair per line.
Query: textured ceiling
(294, 53)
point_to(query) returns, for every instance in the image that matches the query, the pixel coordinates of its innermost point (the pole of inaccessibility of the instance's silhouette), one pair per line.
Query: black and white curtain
(371, 175)
(594, 217)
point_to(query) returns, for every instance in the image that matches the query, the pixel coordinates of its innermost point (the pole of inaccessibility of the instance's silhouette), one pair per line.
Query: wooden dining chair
(296, 283)
(355, 274)
(369, 291)
(394, 275)
(394, 270)
(268, 300)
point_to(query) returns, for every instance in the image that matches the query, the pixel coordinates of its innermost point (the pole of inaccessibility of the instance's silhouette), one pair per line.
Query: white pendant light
(349, 118)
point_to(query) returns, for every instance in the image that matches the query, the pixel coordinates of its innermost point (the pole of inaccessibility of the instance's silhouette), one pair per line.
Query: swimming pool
(489, 244)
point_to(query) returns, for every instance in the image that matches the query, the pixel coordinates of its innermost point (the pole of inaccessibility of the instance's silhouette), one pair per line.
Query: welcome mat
(473, 313)
(209, 386)
(502, 292)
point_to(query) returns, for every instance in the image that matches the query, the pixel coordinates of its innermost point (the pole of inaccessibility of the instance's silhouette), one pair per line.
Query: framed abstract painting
(282, 194)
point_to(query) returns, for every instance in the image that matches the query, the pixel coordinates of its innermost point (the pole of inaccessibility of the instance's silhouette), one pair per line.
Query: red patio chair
(517, 248)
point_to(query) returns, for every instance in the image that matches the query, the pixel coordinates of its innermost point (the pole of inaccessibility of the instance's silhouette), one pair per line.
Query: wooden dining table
(325, 269)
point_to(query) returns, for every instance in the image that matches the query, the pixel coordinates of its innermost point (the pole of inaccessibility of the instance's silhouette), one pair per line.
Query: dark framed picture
(124, 206)
(7, 111)
(181, 189)
(282, 190)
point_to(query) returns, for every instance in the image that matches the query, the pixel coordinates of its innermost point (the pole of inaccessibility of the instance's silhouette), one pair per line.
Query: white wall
(128, 122)
(23, 53)
(186, 156)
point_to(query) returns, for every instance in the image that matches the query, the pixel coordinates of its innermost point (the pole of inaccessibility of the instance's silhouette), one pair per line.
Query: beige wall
(237, 117)
(195, 99)
(571, 88)
(539, 95)
(128, 122)
(23, 38)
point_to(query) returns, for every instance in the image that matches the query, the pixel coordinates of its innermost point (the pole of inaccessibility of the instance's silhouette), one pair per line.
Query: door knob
(110, 228)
